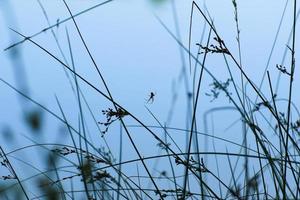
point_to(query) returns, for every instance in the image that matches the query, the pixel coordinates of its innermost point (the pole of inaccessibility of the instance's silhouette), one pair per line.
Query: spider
(151, 97)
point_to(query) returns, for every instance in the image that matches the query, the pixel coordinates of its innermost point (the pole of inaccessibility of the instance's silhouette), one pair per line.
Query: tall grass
(264, 164)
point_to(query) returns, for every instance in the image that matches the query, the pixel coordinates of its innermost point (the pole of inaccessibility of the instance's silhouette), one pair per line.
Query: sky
(136, 56)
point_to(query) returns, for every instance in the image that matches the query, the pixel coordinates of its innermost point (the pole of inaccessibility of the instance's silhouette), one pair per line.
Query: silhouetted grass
(263, 165)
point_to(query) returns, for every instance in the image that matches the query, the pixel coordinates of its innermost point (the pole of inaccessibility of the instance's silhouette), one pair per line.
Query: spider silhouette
(151, 97)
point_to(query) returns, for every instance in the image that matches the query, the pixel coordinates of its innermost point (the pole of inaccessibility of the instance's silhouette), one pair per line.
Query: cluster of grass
(265, 166)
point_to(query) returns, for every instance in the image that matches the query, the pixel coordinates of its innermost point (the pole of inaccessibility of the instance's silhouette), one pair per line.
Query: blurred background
(137, 56)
